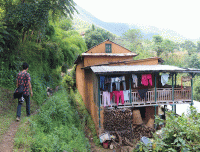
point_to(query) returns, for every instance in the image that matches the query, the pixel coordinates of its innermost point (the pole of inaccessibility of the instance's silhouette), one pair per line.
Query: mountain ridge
(118, 28)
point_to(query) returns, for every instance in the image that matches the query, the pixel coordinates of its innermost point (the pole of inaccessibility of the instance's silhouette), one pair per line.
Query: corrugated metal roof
(139, 68)
(109, 54)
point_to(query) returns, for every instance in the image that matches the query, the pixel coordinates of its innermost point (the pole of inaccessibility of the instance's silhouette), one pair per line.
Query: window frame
(108, 48)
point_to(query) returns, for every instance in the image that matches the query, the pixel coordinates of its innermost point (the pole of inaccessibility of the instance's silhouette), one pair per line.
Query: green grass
(23, 137)
(7, 110)
(56, 127)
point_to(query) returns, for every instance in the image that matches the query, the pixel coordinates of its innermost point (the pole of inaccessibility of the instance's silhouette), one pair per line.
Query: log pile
(142, 130)
(125, 133)
(119, 122)
(117, 119)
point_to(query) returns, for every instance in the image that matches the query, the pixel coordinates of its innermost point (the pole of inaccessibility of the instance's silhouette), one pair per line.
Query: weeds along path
(7, 142)
(8, 124)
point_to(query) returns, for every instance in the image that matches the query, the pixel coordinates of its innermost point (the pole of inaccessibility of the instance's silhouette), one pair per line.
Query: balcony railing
(164, 96)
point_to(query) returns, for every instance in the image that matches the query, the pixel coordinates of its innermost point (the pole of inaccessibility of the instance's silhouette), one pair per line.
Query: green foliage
(192, 61)
(169, 46)
(133, 35)
(198, 46)
(67, 82)
(57, 126)
(24, 136)
(157, 44)
(180, 133)
(80, 25)
(94, 36)
(84, 114)
(157, 39)
(197, 88)
(189, 46)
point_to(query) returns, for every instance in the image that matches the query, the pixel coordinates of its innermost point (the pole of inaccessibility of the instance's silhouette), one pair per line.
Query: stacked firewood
(125, 133)
(141, 130)
(117, 119)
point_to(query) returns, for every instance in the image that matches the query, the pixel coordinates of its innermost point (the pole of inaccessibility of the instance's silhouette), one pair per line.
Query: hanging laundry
(106, 98)
(149, 77)
(122, 79)
(164, 78)
(126, 95)
(142, 93)
(117, 81)
(135, 80)
(102, 82)
(146, 79)
(107, 80)
(118, 94)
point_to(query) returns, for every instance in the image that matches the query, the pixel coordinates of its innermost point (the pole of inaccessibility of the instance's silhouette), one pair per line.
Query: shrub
(180, 133)
(57, 126)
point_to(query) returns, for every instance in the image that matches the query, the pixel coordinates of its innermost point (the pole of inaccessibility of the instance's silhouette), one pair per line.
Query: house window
(108, 48)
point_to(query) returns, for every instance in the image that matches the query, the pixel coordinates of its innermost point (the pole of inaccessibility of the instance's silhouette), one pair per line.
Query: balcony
(164, 96)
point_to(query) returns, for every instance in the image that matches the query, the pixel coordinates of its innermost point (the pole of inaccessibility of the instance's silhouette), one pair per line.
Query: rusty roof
(140, 69)
(109, 54)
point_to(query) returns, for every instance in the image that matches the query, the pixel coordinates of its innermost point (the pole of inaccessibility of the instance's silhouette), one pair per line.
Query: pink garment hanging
(149, 77)
(146, 79)
(117, 94)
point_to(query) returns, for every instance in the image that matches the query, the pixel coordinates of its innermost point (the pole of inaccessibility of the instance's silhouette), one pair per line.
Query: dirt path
(7, 142)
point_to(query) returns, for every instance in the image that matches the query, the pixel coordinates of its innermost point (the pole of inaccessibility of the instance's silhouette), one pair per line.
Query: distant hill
(120, 28)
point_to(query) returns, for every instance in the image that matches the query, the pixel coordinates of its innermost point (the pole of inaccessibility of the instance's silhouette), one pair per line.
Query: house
(109, 60)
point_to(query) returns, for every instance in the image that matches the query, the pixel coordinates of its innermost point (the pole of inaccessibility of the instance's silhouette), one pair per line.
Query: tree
(95, 35)
(133, 36)
(157, 44)
(189, 46)
(192, 61)
(169, 46)
(93, 38)
(198, 46)
(133, 40)
(34, 15)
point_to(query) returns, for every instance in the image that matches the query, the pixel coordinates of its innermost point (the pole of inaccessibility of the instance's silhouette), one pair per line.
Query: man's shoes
(17, 118)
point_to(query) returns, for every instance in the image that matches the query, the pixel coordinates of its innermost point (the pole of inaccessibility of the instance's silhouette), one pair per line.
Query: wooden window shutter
(108, 48)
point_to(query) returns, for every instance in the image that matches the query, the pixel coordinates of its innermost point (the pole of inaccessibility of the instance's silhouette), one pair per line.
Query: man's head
(25, 66)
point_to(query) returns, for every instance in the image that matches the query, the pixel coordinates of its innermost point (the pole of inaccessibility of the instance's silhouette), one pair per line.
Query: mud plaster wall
(92, 83)
(115, 48)
(80, 80)
(95, 60)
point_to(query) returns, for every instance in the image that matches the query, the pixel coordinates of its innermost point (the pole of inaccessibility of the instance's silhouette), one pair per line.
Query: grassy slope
(29, 133)
(8, 109)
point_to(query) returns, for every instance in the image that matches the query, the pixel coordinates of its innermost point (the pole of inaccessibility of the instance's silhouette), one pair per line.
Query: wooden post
(164, 111)
(173, 91)
(175, 87)
(192, 89)
(155, 100)
(155, 116)
(99, 99)
(155, 88)
(130, 96)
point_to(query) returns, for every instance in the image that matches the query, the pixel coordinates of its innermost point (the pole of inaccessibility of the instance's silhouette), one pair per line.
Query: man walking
(23, 78)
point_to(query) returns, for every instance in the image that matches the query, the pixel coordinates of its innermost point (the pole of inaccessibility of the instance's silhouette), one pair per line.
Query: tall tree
(198, 46)
(133, 36)
(189, 46)
(157, 44)
(169, 46)
(96, 35)
(33, 15)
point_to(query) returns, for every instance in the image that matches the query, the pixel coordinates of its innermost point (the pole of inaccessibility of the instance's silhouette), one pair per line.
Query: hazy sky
(182, 16)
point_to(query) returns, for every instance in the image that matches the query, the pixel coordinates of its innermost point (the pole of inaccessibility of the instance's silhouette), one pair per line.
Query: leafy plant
(180, 133)
(57, 126)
